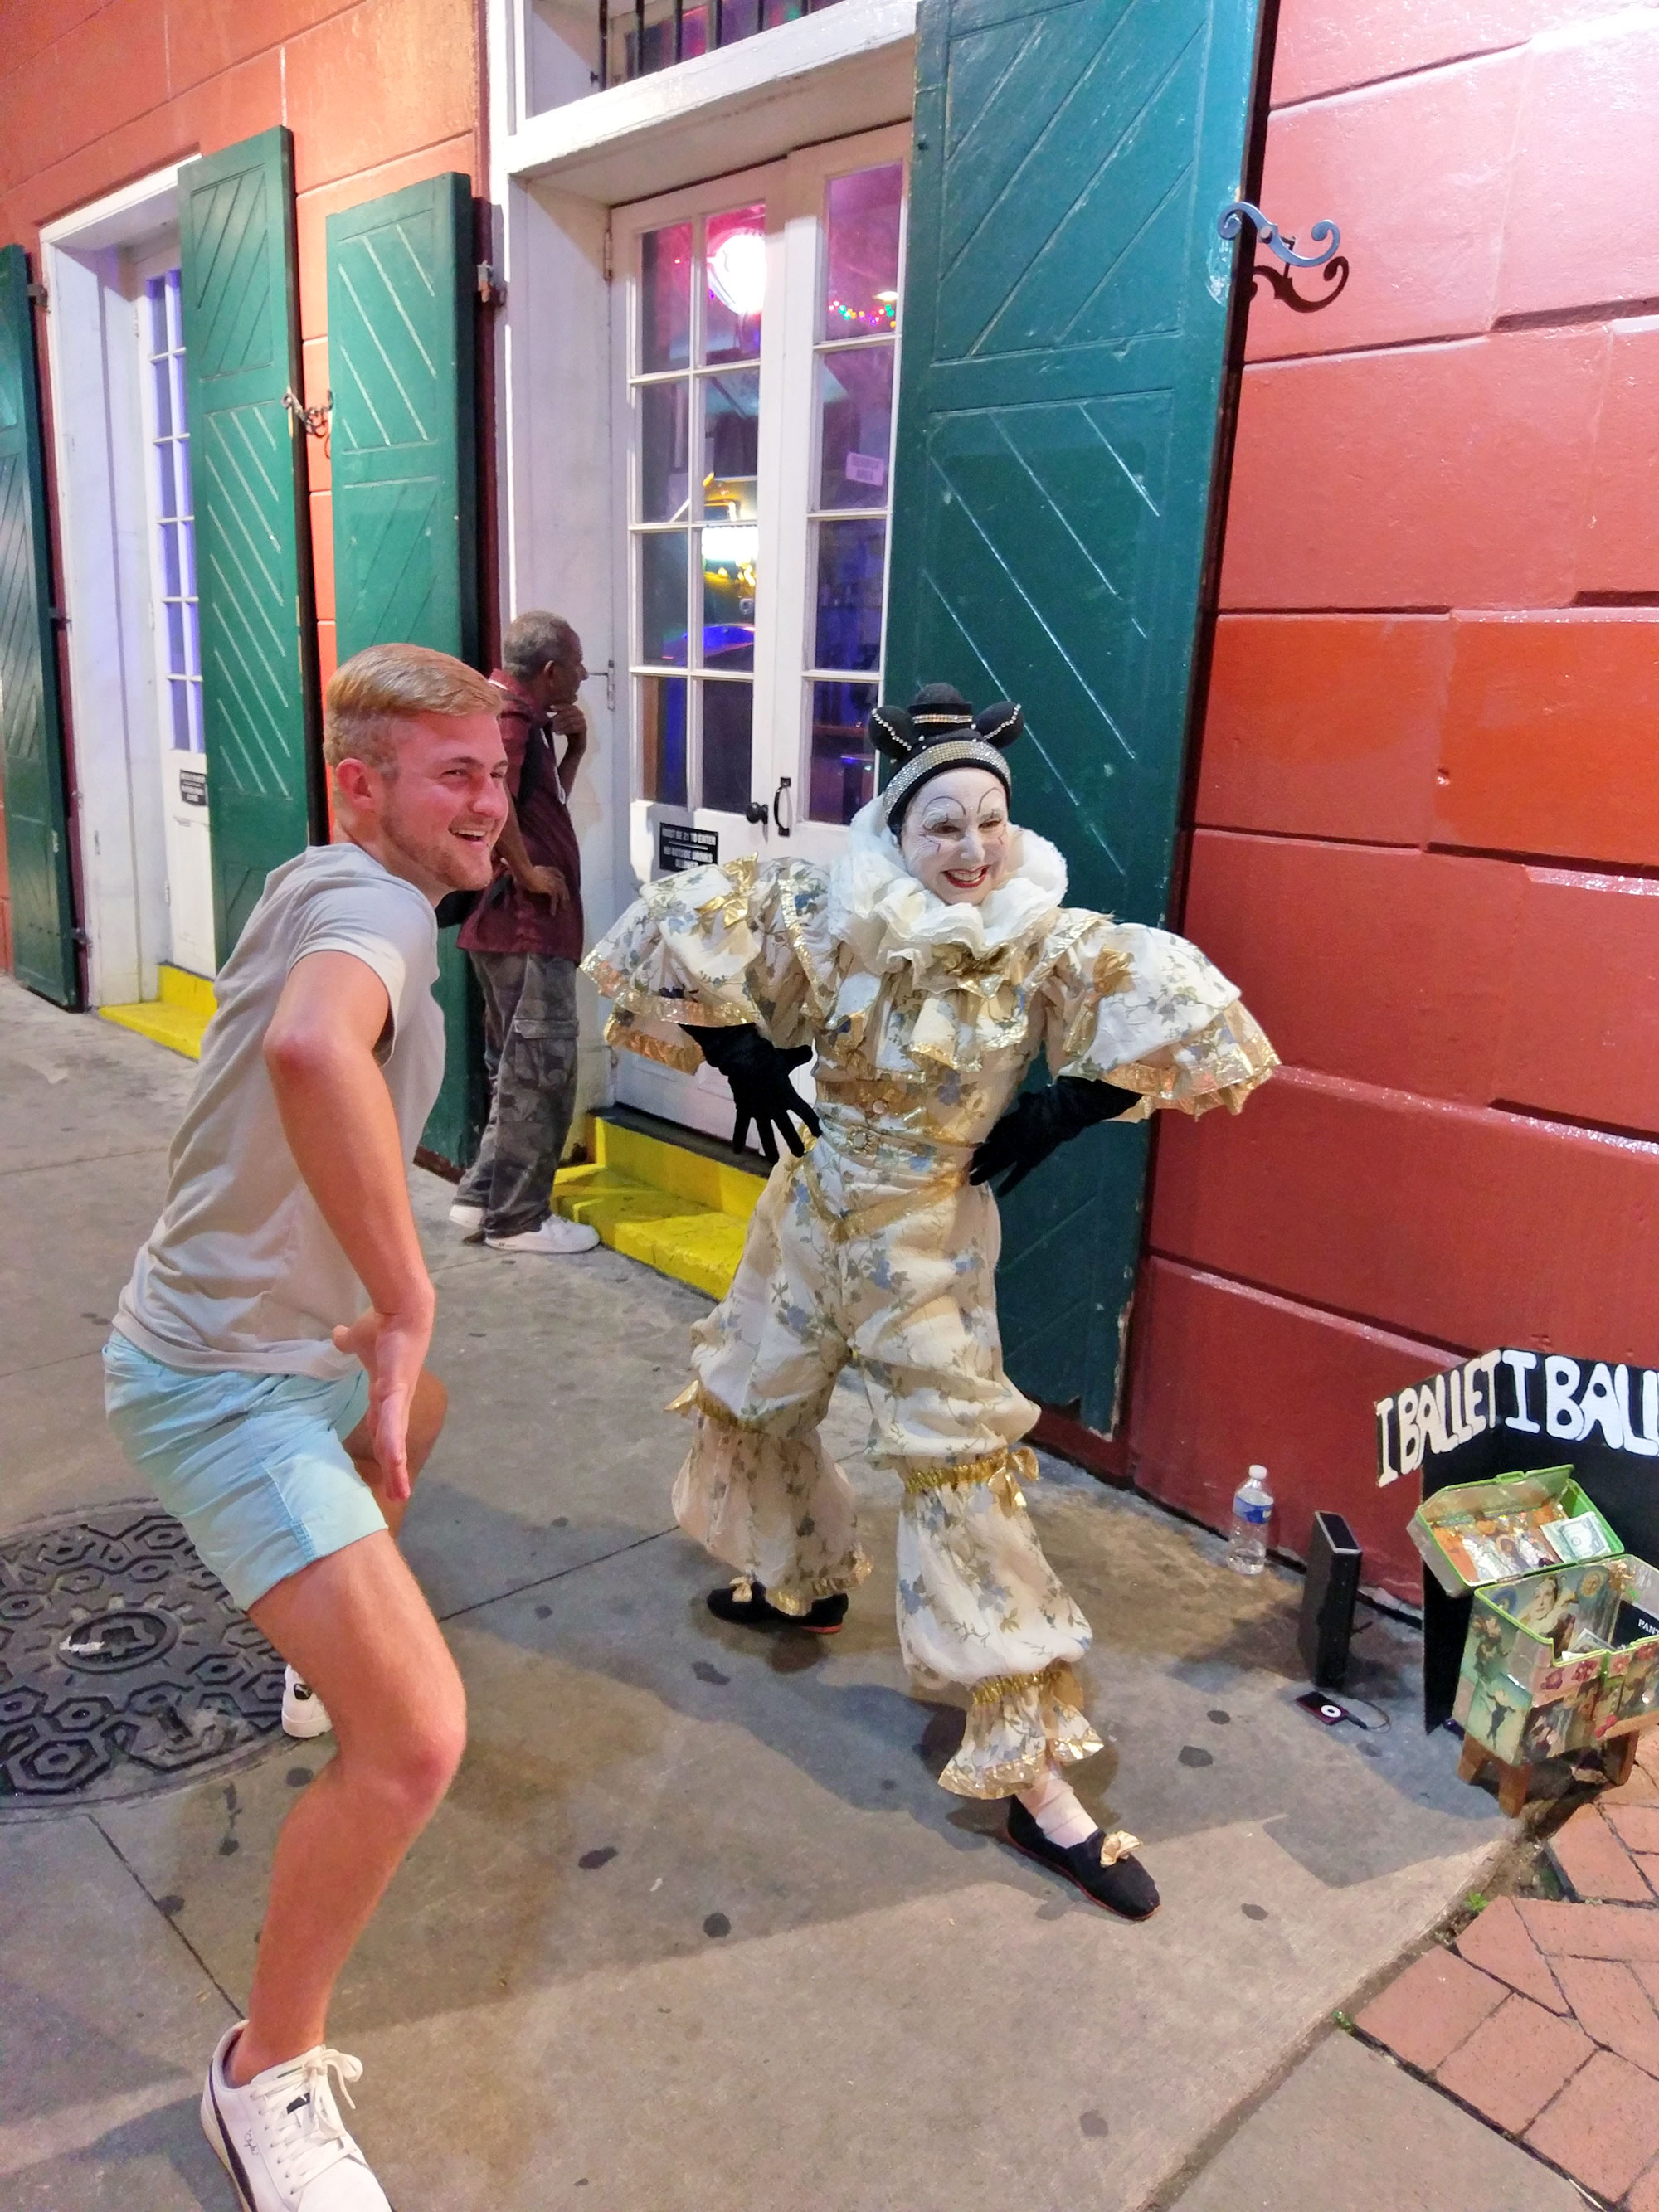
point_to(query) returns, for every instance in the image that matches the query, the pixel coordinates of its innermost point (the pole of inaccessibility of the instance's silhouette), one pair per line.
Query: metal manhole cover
(123, 1662)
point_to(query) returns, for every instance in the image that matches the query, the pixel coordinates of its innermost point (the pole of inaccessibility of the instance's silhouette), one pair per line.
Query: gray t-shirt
(241, 1271)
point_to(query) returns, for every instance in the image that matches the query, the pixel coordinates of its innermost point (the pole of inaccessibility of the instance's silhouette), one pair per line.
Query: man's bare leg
(356, 1627)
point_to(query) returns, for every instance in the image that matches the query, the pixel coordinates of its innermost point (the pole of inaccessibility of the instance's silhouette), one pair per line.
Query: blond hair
(383, 685)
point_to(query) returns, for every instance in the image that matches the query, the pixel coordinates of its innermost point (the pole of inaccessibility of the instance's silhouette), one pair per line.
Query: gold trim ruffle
(801, 1597)
(623, 1034)
(1018, 1726)
(1004, 1470)
(1221, 1066)
(694, 1398)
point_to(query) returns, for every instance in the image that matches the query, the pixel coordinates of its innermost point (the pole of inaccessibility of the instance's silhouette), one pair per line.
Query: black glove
(758, 1074)
(1040, 1121)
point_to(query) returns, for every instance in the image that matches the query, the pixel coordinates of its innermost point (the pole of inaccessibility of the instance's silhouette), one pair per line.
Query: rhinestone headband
(931, 760)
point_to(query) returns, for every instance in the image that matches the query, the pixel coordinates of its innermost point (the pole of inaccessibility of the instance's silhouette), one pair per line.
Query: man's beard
(444, 859)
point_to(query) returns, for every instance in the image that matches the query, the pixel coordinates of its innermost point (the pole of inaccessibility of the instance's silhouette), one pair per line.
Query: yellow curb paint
(675, 1210)
(177, 1018)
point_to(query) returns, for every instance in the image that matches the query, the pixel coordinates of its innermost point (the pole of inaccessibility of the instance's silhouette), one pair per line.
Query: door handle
(756, 811)
(783, 794)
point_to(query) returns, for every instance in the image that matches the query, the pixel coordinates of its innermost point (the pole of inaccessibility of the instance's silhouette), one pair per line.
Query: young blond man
(267, 1369)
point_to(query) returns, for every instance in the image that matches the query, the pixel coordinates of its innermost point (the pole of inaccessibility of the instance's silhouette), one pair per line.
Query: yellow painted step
(702, 1249)
(177, 1018)
(677, 1210)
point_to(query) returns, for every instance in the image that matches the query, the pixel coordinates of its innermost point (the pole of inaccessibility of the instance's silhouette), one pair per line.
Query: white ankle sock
(1058, 1811)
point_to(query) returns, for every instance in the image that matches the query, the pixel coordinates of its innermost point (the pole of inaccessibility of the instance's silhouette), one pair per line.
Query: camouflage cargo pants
(530, 1050)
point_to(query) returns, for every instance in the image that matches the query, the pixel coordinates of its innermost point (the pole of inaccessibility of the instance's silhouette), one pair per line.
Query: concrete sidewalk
(696, 1927)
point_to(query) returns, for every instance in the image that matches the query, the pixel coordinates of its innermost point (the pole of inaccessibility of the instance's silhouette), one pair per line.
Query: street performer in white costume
(926, 971)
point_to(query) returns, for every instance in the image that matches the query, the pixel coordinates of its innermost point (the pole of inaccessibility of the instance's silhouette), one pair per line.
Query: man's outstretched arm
(338, 1116)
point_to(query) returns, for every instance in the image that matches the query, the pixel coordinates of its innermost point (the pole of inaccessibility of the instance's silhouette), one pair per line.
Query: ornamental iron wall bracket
(1237, 212)
(315, 421)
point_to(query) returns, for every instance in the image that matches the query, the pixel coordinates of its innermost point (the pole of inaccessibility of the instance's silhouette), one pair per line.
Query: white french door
(757, 350)
(175, 635)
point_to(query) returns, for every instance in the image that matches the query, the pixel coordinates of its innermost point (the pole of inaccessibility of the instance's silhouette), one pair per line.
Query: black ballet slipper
(1124, 1886)
(744, 1604)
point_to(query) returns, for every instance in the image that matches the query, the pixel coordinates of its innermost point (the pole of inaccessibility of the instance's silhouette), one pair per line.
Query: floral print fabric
(901, 1286)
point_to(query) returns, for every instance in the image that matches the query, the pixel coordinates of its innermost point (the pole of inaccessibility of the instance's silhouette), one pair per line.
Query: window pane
(729, 551)
(175, 328)
(735, 252)
(178, 705)
(739, 19)
(774, 12)
(161, 380)
(855, 404)
(731, 444)
(175, 622)
(666, 297)
(192, 642)
(728, 715)
(187, 549)
(860, 261)
(168, 501)
(186, 498)
(843, 765)
(662, 737)
(665, 471)
(171, 582)
(662, 597)
(850, 563)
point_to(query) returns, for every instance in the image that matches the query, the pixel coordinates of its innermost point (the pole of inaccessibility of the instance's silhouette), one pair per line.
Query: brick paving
(1544, 2016)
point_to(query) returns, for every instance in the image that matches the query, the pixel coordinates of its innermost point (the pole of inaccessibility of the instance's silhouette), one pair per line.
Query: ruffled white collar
(880, 909)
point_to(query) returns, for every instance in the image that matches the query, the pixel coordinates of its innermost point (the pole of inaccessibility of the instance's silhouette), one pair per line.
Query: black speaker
(1333, 1584)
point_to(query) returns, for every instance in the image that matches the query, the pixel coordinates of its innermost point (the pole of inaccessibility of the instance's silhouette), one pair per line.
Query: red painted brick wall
(379, 94)
(1426, 831)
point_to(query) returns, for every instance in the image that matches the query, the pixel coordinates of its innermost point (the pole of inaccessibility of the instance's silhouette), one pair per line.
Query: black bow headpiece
(939, 730)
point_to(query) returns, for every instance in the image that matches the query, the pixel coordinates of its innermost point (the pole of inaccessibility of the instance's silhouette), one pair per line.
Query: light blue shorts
(252, 1464)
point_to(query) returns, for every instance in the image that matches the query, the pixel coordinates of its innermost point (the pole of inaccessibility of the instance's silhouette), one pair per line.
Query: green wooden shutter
(1065, 331)
(400, 352)
(252, 537)
(31, 730)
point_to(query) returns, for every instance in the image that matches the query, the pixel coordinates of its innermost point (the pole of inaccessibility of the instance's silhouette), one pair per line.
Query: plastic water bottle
(1253, 1508)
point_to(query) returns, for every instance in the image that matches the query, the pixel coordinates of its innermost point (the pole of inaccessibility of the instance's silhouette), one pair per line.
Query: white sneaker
(304, 1713)
(466, 1217)
(556, 1234)
(282, 2139)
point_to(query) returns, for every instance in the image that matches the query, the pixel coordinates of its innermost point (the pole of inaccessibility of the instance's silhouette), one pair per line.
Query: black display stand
(1508, 1413)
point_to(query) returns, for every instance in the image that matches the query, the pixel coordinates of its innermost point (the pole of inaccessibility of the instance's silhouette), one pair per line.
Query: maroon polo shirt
(511, 919)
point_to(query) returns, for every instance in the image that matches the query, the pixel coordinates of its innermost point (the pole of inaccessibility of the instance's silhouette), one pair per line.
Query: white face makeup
(954, 836)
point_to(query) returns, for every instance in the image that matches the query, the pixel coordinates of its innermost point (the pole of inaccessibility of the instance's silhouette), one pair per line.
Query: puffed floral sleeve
(717, 947)
(1144, 1010)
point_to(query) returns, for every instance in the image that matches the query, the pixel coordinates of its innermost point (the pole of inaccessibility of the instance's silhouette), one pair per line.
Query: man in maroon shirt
(525, 939)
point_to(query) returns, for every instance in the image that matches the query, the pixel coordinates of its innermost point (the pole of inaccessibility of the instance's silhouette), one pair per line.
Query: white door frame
(792, 191)
(841, 71)
(99, 450)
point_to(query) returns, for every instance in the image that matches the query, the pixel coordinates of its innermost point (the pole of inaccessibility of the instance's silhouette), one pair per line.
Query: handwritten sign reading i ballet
(1611, 1407)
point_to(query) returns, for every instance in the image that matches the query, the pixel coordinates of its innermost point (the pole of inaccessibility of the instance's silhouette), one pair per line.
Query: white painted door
(175, 638)
(758, 326)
